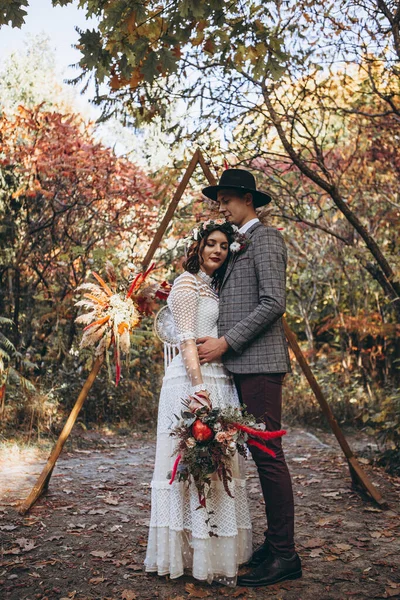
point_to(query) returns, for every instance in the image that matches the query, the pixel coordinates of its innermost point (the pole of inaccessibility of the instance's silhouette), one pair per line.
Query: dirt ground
(86, 539)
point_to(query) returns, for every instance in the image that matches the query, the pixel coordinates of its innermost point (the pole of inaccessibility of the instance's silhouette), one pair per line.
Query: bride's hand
(200, 400)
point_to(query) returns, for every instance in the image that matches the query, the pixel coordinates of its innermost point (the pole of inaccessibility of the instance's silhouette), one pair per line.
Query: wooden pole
(357, 473)
(170, 210)
(44, 478)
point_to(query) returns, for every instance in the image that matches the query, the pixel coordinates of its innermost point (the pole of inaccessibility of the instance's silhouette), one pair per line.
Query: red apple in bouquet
(201, 432)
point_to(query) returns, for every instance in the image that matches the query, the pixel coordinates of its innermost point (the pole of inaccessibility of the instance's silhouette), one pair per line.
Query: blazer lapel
(229, 268)
(234, 257)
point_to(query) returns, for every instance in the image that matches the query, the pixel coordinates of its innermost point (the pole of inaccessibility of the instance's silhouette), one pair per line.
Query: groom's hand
(211, 349)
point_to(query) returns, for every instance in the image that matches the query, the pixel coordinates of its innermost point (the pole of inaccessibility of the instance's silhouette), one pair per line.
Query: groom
(253, 347)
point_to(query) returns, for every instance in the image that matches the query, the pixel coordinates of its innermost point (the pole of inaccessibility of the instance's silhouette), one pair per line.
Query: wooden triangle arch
(358, 475)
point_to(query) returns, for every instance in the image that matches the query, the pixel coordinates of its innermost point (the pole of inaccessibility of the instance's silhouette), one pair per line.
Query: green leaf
(12, 11)
(149, 68)
(94, 55)
(168, 61)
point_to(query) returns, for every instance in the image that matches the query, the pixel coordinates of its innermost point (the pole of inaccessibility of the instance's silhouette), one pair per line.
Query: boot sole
(290, 577)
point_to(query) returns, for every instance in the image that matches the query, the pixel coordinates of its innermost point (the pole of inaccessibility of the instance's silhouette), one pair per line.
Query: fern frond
(7, 343)
(6, 321)
(22, 381)
(3, 354)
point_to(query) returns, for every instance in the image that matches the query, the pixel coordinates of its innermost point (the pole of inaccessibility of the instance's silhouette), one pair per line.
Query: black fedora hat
(238, 179)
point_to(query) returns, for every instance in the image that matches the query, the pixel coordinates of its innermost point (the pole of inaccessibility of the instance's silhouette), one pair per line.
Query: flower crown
(207, 226)
(239, 242)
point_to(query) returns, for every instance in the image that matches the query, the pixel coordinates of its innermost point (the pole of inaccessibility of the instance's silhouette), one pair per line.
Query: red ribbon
(174, 469)
(264, 435)
(251, 442)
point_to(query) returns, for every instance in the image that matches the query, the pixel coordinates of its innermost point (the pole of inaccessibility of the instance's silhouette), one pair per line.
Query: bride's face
(214, 251)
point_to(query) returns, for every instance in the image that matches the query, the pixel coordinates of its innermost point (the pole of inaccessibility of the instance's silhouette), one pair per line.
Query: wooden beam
(44, 478)
(170, 210)
(357, 473)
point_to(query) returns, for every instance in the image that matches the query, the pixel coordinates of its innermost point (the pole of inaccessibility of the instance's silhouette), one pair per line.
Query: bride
(179, 540)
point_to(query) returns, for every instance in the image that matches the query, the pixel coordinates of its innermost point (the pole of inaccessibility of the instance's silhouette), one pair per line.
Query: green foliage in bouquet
(207, 442)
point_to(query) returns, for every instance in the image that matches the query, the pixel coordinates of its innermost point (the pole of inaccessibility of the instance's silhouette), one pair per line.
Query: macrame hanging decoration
(165, 330)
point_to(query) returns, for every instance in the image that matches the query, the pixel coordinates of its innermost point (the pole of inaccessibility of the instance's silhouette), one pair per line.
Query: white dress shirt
(247, 225)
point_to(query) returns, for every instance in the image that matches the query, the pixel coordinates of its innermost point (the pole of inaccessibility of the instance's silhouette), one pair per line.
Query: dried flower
(113, 316)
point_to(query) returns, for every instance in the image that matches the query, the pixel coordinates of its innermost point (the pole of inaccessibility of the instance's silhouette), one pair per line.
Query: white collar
(249, 224)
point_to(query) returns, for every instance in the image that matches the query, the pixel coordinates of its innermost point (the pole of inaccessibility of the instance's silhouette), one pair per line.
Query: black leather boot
(273, 570)
(259, 555)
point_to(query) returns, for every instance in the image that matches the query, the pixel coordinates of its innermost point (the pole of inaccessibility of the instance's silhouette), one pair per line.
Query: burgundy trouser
(262, 395)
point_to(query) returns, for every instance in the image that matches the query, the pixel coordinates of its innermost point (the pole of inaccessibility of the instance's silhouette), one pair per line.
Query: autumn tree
(66, 202)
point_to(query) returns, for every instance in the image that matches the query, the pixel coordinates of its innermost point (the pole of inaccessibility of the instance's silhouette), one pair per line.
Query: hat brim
(259, 198)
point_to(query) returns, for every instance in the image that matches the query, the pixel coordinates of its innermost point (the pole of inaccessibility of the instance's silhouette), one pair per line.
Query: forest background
(306, 95)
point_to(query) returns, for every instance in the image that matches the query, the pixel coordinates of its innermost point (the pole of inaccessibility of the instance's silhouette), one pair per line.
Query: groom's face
(235, 208)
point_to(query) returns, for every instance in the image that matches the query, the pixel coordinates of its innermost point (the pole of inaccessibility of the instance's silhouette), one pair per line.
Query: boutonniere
(240, 243)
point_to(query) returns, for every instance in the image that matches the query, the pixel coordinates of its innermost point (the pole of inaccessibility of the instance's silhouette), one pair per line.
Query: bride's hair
(195, 253)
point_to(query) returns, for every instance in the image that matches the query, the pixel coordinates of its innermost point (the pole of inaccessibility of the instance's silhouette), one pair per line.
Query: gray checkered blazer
(252, 302)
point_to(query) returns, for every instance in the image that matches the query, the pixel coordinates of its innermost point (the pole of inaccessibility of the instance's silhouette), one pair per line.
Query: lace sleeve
(183, 302)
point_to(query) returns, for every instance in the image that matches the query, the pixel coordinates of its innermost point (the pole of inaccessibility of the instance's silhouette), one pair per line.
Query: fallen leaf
(128, 595)
(8, 527)
(342, 547)
(376, 534)
(393, 584)
(135, 567)
(352, 556)
(391, 593)
(98, 511)
(100, 553)
(316, 553)
(195, 592)
(25, 544)
(14, 550)
(96, 580)
(111, 500)
(313, 543)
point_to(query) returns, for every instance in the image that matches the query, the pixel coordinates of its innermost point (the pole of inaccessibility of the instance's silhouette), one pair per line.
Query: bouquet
(208, 438)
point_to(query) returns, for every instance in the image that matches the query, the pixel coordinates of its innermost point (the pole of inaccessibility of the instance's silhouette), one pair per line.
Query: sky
(59, 24)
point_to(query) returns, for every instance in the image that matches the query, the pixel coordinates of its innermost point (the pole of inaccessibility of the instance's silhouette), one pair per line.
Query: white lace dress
(179, 540)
